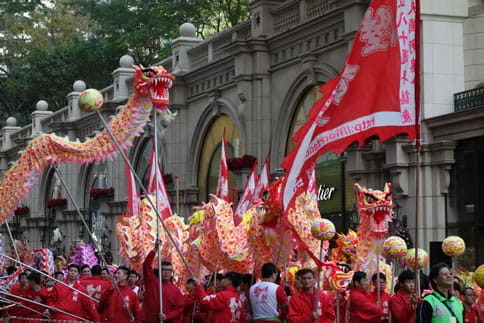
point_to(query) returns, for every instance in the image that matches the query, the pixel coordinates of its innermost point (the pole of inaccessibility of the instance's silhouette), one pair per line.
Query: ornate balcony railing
(469, 99)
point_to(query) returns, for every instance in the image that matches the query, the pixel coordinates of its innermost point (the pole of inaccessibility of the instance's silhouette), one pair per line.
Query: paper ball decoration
(453, 246)
(394, 247)
(323, 229)
(479, 276)
(90, 100)
(423, 258)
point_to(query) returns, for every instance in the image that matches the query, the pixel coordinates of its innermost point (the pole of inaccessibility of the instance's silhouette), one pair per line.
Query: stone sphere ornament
(323, 229)
(394, 247)
(453, 246)
(90, 100)
(423, 258)
(479, 276)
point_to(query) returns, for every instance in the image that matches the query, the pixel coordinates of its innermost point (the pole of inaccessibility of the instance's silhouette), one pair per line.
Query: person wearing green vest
(440, 306)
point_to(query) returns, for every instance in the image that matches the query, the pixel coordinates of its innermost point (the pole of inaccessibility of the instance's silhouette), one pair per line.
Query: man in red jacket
(117, 309)
(95, 285)
(226, 305)
(362, 307)
(381, 283)
(404, 303)
(173, 301)
(302, 306)
(70, 300)
(19, 289)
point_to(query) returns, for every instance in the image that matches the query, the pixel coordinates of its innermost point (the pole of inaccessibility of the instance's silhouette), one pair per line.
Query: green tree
(48, 44)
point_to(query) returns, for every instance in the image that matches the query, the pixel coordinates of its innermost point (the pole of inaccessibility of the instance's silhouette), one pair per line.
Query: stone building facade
(257, 81)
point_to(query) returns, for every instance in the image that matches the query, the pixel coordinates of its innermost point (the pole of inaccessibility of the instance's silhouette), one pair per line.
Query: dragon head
(375, 209)
(347, 244)
(154, 81)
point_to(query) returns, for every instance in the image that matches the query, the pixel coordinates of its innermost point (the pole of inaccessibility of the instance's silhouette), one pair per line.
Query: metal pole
(319, 280)
(51, 277)
(13, 241)
(160, 280)
(43, 305)
(417, 219)
(140, 183)
(94, 238)
(13, 303)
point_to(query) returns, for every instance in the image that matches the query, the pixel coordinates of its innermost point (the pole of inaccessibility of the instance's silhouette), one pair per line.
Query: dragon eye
(148, 72)
(370, 199)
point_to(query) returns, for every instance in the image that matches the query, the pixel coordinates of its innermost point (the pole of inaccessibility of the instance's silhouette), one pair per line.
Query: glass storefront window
(465, 203)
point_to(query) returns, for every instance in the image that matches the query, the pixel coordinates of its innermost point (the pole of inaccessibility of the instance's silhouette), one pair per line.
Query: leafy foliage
(48, 44)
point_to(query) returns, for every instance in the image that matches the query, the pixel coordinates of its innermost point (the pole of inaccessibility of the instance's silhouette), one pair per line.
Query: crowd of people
(92, 294)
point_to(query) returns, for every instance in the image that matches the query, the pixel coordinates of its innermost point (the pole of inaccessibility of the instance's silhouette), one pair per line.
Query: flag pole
(157, 179)
(417, 137)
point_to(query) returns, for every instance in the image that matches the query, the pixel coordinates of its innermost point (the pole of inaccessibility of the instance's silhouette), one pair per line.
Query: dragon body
(151, 90)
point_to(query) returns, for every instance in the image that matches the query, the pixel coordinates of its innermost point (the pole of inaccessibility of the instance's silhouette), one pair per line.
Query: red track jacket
(226, 305)
(113, 308)
(302, 306)
(362, 307)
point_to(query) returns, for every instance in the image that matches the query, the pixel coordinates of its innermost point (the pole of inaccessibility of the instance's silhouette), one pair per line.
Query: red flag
(157, 185)
(223, 175)
(263, 182)
(373, 95)
(246, 200)
(133, 197)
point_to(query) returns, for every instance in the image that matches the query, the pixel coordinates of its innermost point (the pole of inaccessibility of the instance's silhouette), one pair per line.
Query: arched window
(335, 190)
(210, 154)
(54, 191)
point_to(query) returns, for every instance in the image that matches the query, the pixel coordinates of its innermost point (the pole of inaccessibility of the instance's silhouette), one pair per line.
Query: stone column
(180, 47)
(121, 77)
(38, 115)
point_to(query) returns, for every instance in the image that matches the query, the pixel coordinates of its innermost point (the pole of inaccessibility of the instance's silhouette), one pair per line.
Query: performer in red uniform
(19, 289)
(384, 297)
(471, 313)
(302, 306)
(117, 309)
(71, 301)
(267, 299)
(226, 304)
(94, 284)
(404, 303)
(172, 297)
(37, 293)
(362, 307)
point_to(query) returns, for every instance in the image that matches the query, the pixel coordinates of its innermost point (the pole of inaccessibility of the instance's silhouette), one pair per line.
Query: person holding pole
(362, 307)
(226, 304)
(117, 309)
(384, 297)
(302, 304)
(173, 300)
(267, 299)
(440, 306)
(404, 303)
